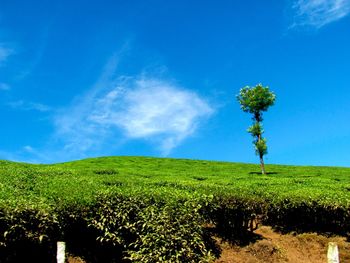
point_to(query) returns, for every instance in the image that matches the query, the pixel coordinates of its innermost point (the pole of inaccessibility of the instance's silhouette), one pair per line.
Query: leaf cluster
(260, 147)
(255, 100)
(256, 129)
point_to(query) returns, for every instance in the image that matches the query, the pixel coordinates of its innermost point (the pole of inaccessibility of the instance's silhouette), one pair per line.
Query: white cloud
(318, 13)
(23, 105)
(4, 53)
(139, 107)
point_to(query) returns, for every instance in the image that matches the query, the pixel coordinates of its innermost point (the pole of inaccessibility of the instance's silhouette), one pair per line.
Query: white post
(333, 254)
(61, 252)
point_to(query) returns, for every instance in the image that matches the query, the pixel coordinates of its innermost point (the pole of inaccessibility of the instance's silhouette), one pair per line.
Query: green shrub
(153, 230)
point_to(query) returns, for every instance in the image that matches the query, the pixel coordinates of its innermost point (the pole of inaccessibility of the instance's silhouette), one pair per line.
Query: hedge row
(155, 228)
(115, 228)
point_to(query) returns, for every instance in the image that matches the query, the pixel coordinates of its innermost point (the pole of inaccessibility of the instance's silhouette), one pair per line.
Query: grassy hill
(127, 200)
(83, 180)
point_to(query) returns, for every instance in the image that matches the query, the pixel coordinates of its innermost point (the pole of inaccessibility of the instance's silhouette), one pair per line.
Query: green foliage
(157, 210)
(170, 233)
(256, 100)
(256, 129)
(260, 147)
(152, 230)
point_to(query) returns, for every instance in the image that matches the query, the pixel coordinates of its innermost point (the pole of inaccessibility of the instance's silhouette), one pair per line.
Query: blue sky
(159, 78)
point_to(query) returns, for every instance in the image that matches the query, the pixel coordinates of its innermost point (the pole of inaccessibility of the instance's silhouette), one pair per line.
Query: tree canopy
(256, 100)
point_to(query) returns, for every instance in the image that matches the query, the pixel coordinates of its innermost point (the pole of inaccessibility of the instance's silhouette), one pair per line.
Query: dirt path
(274, 247)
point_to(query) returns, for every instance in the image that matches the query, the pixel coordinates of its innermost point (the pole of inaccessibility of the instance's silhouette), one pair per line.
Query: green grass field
(143, 204)
(81, 181)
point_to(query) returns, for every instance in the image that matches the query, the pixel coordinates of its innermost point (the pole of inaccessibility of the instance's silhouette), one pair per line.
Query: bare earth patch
(275, 247)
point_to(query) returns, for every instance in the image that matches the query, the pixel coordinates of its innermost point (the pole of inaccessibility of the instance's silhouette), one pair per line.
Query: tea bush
(153, 230)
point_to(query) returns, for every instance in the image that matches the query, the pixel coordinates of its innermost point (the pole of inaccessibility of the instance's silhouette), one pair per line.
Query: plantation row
(159, 210)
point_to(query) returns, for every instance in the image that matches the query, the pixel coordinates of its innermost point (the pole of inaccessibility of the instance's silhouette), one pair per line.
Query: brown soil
(275, 247)
(72, 259)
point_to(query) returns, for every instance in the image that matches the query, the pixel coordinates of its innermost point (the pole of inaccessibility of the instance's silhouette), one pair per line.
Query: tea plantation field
(140, 209)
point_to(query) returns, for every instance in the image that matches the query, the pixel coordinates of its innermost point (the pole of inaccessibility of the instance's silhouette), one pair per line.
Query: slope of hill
(142, 205)
(85, 178)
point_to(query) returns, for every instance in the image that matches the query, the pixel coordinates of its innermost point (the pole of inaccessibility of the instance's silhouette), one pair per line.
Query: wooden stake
(333, 254)
(61, 252)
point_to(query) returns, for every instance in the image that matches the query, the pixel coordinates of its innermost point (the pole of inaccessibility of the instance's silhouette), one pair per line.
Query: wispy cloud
(4, 86)
(32, 63)
(318, 13)
(115, 110)
(5, 52)
(24, 105)
(26, 154)
(139, 107)
(33, 155)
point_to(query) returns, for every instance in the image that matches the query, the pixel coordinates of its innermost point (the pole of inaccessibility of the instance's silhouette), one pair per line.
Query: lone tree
(256, 100)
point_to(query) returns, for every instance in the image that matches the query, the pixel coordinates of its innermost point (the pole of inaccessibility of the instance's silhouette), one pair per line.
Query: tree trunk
(262, 165)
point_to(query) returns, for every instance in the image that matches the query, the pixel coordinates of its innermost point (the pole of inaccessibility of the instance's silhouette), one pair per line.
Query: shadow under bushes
(31, 235)
(309, 216)
(234, 219)
(27, 236)
(27, 251)
(145, 228)
(81, 241)
(259, 173)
